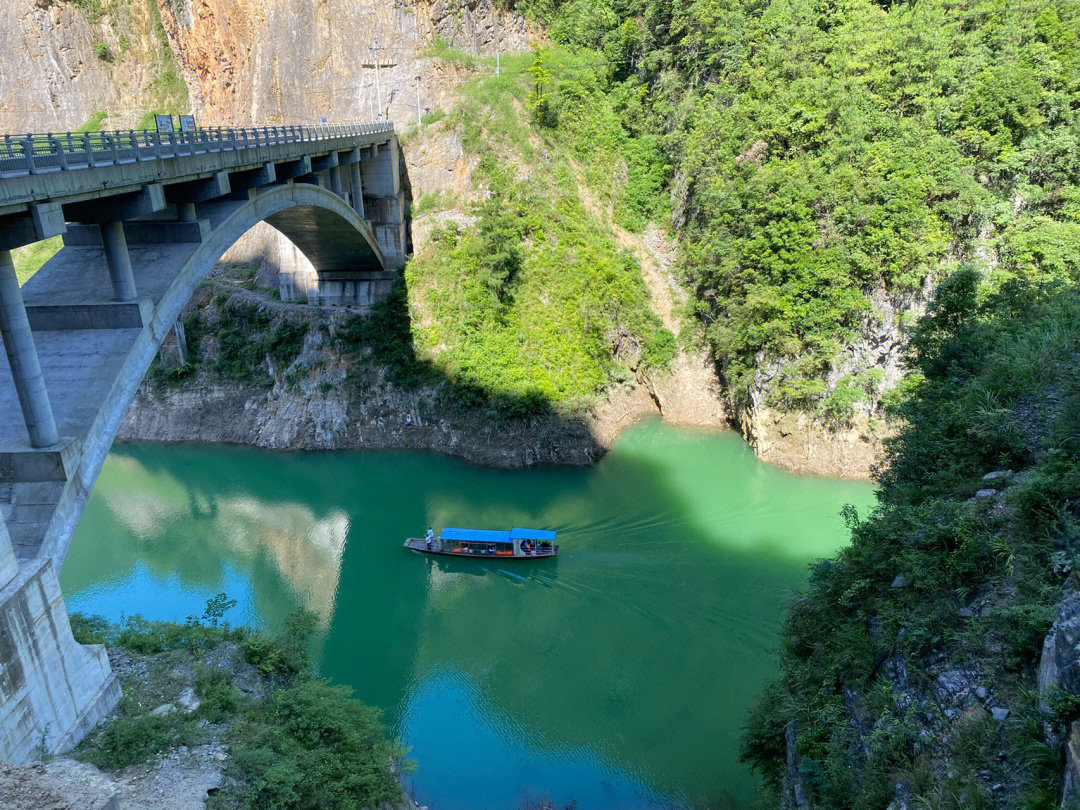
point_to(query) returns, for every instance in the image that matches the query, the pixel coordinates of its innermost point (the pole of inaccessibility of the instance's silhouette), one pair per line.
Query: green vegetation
(994, 388)
(823, 151)
(29, 259)
(102, 51)
(244, 337)
(533, 304)
(168, 89)
(294, 741)
(93, 124)
(440, 49)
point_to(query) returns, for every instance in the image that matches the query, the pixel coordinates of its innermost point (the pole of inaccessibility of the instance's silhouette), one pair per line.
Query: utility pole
(418, 116)
(378, 86)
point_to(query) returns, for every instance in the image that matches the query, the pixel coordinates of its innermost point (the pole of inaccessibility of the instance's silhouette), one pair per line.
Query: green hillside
(821, 151)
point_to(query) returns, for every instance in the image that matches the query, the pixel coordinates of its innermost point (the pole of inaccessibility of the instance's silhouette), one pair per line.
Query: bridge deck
(80, 366)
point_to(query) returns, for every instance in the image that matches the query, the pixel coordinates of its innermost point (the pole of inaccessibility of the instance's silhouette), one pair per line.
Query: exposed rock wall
(270, 61)
(52, 77)
(305, 417)
(850, 447)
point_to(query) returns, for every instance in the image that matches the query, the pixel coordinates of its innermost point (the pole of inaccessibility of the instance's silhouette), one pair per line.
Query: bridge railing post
(28, 153)
(58, 150)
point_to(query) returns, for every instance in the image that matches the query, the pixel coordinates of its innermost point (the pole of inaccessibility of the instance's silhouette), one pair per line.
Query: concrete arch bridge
(144, 217)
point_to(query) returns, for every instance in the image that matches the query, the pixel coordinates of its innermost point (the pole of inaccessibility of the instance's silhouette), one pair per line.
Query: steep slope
(830, 163)
(912, 672)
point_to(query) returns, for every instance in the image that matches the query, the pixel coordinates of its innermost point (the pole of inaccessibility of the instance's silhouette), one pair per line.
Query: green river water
(616, 675)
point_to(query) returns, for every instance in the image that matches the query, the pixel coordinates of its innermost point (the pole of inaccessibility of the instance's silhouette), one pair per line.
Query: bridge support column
(116, 256)
(186, 212)
(335, 180)
(23, 358)
(357, 188)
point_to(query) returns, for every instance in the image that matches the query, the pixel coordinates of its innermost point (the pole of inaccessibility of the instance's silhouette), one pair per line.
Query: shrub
(313, 746)
(131, 738)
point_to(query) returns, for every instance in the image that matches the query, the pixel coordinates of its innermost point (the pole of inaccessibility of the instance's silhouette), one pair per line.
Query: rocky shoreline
(307, 417)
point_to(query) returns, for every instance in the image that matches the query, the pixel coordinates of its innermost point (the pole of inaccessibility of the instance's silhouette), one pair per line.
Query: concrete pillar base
(52, 690)
(185, 212)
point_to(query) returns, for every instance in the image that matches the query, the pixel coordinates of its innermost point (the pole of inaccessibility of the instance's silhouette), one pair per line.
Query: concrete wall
(52, 690)
(9, 565)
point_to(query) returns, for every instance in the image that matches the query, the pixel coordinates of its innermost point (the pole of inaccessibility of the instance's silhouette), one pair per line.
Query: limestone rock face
(1059, 668)
(270, 61)
(808, 443)
(244, 61)
(51, 76)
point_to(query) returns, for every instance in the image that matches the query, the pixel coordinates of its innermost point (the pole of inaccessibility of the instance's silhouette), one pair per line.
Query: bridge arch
(321, 224)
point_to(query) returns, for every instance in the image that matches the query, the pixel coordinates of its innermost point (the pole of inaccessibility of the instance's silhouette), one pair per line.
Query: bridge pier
(186, 212)
(52, 690)
(23, 359)
(118, 259)
(357, 187)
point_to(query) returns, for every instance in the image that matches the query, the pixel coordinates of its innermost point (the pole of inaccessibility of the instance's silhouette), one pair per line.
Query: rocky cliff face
(850, 446)
(61, 66)
(271, 61)
(243, 61)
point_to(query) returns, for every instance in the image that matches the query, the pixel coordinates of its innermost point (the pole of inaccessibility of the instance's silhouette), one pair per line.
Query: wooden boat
(516, 544)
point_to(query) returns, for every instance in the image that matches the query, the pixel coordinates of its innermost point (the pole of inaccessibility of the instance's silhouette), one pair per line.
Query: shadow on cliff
(521, 430)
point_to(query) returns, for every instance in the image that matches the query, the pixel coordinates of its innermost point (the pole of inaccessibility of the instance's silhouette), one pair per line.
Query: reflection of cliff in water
(188, 526)
(627, 661)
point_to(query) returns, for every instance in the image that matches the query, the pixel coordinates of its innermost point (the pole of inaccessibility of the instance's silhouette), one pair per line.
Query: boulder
(998, 475)
(188, 701)
(899, 581)
(999, 713)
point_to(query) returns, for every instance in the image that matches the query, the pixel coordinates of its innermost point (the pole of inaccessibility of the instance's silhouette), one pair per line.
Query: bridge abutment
(52, 689)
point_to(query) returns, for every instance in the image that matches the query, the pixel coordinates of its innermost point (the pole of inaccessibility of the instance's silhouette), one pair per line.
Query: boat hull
(418, 545)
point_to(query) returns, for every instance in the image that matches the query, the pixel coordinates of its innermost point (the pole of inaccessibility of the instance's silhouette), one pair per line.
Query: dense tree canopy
(821, 151)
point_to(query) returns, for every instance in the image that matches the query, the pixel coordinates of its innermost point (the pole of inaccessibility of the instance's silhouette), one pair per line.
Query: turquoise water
(616, 675)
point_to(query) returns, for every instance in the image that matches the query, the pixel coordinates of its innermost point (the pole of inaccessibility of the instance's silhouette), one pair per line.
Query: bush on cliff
(534, 301)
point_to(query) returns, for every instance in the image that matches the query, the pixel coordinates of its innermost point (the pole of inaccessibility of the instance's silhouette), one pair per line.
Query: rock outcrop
(848, 447)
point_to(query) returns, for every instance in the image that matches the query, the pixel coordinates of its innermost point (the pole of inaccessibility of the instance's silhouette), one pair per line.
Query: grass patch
(440, 49)
(31, 258)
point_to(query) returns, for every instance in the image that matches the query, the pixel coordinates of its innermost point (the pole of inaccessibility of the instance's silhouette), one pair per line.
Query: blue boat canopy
(531, 534)
(476, 536)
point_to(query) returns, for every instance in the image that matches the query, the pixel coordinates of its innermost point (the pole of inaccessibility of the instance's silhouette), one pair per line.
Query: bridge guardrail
(21, 155)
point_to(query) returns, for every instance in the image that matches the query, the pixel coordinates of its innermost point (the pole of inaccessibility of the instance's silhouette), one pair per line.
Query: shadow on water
(616, 674)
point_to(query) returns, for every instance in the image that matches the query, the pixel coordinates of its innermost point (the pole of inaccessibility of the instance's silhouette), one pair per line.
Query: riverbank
(205, 711)
(314, 385)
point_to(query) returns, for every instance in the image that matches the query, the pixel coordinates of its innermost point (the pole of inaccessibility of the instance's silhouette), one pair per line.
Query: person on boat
(429, 537)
